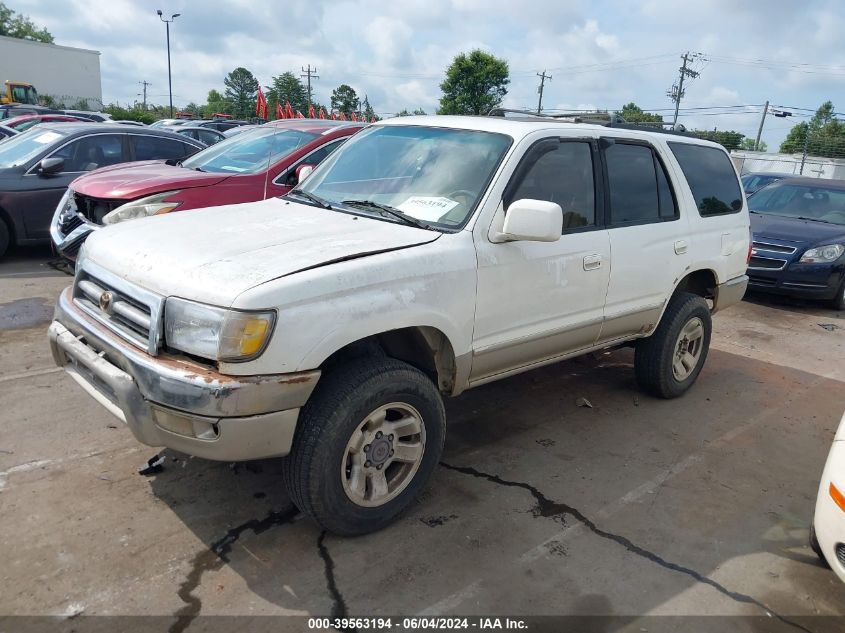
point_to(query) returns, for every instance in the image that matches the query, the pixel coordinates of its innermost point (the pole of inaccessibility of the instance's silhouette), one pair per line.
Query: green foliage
(241, 89)
(21, 26)
(417, 112)
(345, 99)
(80, 104)
(632, 113)
(748, 144)
(215, 102)
(367, 109)
(728, 140)
(286, 87)
(475, 83)
(823, 135)
(137, 113)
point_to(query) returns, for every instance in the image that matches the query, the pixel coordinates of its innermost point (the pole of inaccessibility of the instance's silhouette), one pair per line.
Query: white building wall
(814, 166)
(66, 73)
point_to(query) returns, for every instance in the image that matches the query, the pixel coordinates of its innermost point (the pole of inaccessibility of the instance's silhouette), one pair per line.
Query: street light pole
(169, 80)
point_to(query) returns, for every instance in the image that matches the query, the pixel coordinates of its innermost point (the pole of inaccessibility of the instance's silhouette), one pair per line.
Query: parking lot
(631, 506)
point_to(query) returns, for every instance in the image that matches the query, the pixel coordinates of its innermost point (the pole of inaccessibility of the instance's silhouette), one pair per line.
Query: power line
(676, 92)
(309, 73)
(144, 83)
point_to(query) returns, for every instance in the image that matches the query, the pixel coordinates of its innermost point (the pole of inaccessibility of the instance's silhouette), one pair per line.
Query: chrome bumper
(69, 245)
(173, 402)
(730, 292)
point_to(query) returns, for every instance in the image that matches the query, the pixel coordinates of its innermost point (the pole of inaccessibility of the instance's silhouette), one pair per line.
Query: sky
(600, 54)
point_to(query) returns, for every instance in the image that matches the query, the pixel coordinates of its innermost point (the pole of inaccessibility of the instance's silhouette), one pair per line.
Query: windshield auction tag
(47, 137)
(426, 207)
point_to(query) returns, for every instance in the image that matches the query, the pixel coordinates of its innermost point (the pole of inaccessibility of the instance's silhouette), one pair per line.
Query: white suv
(426, 256)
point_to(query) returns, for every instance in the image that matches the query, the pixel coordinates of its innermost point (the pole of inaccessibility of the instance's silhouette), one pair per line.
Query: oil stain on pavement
(23, 314)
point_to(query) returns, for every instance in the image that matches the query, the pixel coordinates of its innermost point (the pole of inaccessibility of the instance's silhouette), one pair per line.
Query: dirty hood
(213, 255)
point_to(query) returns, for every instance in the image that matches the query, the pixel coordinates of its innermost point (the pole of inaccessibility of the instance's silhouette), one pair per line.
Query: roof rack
(606, 119)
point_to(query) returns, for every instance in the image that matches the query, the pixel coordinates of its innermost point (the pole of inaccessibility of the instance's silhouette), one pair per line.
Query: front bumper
(69, 230)
(174, 402)
(730, 292)
(829, 519)
(809, 282)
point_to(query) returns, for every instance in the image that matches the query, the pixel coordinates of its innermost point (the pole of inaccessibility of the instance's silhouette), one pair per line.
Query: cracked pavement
(636, 506)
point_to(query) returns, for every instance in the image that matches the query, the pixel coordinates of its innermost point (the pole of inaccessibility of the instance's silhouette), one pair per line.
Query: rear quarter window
(711, 178)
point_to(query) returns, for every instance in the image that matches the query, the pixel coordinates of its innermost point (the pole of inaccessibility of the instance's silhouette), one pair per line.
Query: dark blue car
(798, 246)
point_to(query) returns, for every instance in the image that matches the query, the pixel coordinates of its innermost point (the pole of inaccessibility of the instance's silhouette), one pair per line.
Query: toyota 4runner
(426, 256)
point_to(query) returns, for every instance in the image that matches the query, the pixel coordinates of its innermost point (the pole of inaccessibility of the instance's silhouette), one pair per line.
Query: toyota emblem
(106, 300)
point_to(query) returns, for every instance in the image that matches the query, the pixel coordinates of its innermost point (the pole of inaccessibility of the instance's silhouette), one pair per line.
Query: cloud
(600, 53)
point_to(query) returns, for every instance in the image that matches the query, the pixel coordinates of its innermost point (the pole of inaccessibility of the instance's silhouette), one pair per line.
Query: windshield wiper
(310, 197)
(801, 217)
(386, 208)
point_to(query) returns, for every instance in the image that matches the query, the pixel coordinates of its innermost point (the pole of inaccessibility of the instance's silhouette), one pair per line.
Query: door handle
(680, 247)
(592, 262)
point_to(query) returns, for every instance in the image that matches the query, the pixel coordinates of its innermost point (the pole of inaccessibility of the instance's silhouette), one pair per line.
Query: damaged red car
(260, 163)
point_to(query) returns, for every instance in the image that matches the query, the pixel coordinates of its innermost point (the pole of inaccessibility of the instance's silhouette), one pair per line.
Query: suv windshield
(435, 175)
(249, 152)
(807, 202)
(20, 149)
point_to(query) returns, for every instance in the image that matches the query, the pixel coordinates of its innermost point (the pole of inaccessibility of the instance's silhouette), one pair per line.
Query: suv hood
(129, 181)
(793, 230)
(213, 255)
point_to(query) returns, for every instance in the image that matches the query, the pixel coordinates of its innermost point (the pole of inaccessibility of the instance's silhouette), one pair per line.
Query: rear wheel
(5, 237)
(668, 362)
(365, 445)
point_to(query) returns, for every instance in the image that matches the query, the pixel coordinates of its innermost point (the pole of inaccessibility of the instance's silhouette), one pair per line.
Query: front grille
(95, 209)
(68, 222)
(773, 248)
(130, 312)
(766, 263)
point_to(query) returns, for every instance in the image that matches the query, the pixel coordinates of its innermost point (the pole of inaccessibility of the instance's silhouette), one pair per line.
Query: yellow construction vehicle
(19, 92)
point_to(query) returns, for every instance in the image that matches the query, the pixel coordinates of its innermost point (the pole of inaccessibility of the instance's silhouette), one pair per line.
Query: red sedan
(259, 163)
(26, 121)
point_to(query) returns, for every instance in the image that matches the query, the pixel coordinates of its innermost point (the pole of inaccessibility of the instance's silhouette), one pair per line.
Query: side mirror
(50, 166)
(533, 221)
(302, 172)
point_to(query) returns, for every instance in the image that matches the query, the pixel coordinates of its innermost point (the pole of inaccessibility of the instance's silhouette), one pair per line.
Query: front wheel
(365, 445)
(839, 299)
(668, 362)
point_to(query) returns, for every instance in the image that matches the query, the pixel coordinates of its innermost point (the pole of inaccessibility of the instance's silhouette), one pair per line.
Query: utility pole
(145, 84)
(543, 76)
(760, 129)
(804, 155)
(676, 93)
(308, 73)
(169, 78)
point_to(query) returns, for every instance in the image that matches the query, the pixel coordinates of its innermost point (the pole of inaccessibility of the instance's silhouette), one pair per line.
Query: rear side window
(564, 176)
(711, 178)
(638, 187)
(157, 148)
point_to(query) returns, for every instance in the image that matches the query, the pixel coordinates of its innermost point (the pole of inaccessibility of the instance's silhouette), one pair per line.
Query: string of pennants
(287, 112)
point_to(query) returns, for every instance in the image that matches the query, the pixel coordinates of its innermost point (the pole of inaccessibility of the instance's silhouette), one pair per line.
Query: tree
(417, 112)
(215, 102)
(241, 88)
(748, 144)
(345, 99)
(728, 140)
(823, 135)
(287, 87)
(21, 26)
(632, 113)
(367, 109)
(475, 83)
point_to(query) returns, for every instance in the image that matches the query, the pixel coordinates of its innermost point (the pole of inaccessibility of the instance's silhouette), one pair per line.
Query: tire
(814, 545)
(5, 237)
(654, 360)
(340, 486)
(839, 299)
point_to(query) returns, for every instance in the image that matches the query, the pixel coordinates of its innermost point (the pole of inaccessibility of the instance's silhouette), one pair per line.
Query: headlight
(822, 254)
(216, 333)
(151, 205)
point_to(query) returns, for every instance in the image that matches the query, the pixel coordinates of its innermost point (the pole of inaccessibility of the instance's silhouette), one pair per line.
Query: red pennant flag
(333, 117)
(373, 120)
(299, 115)
(322, 114)
(354, 118)
(288, 111)
(279, 113)
(261, 105)
(311, 114)
(342, 117)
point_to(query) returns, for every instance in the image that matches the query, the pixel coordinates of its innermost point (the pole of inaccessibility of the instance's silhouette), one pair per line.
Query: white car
(426, 256)
(827, 537)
